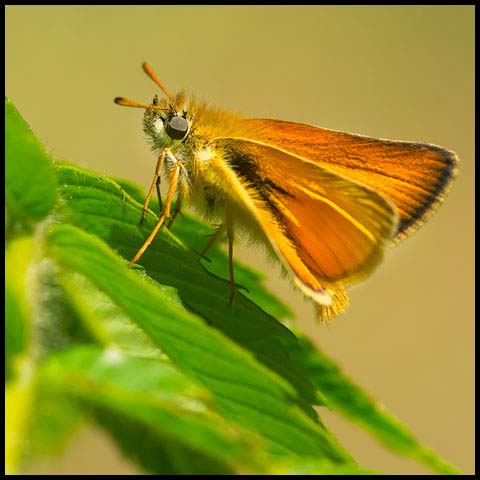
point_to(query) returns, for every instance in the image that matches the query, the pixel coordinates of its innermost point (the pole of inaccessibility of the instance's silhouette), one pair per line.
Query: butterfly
(327, 203)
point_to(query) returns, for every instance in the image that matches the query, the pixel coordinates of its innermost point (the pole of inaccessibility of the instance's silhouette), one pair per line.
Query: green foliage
(182, 381)
(27, 199)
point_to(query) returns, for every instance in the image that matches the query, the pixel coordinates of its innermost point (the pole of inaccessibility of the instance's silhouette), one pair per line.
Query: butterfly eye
(176, 127)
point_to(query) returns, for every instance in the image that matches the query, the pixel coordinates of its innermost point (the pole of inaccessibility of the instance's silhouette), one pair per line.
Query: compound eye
(176, 127)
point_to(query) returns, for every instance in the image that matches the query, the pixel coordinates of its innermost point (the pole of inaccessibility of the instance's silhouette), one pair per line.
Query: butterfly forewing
(414, 176)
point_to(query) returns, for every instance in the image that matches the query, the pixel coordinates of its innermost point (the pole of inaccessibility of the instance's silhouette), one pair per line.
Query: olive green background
(397, 72)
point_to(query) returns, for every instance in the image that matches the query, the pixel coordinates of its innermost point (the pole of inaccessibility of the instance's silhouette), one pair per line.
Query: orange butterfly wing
(414, 176)
(326, 229)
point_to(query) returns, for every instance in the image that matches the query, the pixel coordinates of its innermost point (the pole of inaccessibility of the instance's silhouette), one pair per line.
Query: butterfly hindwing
(326, 228)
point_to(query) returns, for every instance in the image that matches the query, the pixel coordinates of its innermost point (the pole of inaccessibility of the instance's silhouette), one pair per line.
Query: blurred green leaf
(160, 411)
(19, 363)
(319, 467)
(54, 421)
(106, 323)
(348, 399)
(30, 183)
(38, 420)
(17, 308)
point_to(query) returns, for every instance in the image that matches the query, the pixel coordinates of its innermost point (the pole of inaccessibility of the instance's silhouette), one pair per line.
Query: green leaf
(195, 234)
(104, 321)
(319, 467)
(19, 407)
(245, 391)
(19, 366)
(30, 191)
(100, 206)
(345, 397)
(54, 421)
(17, 306)
(158, 416)
(38, 421)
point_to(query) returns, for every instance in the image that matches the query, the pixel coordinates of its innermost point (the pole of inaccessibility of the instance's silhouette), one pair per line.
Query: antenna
(149, 71)
(126, 102)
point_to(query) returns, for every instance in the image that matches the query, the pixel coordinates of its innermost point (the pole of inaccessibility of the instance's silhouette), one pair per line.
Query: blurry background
(397, 72)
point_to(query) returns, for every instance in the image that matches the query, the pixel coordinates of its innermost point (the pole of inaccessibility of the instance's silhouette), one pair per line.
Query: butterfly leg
(155, 183)
(159, 193)
(230, 256)
(226, 226)
(214, 239)
(166, 212)
(176, 211)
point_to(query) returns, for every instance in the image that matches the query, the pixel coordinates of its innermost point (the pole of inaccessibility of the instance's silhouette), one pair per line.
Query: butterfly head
(167, 126)
(166, 122)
